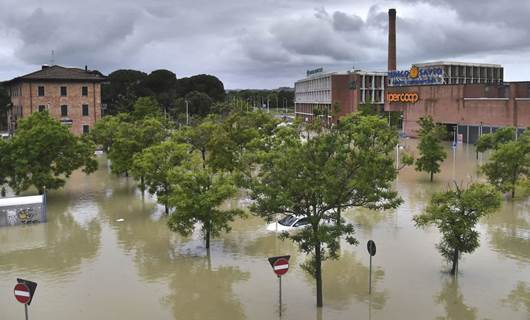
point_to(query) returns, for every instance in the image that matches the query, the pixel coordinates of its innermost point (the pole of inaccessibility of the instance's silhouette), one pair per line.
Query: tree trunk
(514, 181)
(207, 235)
(126, 174)
(432, 173)
(167, 209)
(454, 269)
(318, 273)
(142, 184)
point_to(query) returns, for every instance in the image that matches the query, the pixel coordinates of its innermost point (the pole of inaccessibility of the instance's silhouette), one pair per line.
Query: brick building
(320, 91)
(470, 99)
(70, 95)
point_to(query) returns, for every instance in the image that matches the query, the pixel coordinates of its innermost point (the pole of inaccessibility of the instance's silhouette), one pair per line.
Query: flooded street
(89, 265)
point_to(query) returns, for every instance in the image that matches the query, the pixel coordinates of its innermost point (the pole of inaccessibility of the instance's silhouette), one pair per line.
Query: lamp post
(187, 114)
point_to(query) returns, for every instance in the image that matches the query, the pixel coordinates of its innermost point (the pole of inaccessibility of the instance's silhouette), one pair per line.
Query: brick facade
(465, 105)
(26, 100)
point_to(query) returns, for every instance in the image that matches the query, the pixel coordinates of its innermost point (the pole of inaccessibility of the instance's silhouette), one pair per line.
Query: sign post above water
(371, 250)
(280, 266)
(24, 291)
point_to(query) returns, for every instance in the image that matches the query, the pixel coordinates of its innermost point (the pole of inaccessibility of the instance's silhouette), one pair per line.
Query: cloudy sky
(259, 43)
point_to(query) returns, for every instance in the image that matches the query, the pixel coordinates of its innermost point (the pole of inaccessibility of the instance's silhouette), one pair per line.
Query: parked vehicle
(288, 223)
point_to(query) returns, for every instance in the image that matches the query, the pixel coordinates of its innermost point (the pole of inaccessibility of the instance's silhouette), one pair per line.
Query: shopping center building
(320, 92)
(469, 99)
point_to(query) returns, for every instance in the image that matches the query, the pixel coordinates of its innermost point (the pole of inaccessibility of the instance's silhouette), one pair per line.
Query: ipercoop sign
(403, 97)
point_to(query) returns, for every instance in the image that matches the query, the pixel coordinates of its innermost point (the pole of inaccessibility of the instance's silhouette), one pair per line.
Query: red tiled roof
(62, 73)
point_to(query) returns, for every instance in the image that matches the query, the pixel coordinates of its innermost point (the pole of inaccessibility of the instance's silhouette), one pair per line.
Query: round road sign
(281, 266)
(22, 293)
(371, 247)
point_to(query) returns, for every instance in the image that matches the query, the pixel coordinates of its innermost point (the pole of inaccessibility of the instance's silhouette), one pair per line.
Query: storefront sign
(314, 71)
(416, 76)
(403, 97)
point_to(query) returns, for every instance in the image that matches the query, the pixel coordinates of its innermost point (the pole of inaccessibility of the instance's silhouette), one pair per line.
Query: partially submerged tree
(104, 131)
(348, 165)
(43, 153)
(155, 164)
(456, 213)
(430, 147)
(509, 164)
(494, 140)
(197, 194)
(131, 138)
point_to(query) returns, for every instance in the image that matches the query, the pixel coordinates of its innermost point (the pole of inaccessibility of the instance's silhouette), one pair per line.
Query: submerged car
(288, 223)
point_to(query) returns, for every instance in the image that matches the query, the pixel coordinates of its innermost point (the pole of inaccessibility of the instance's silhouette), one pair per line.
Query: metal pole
(280, 278)
(370, 278)
(26, 310)
(187, 114)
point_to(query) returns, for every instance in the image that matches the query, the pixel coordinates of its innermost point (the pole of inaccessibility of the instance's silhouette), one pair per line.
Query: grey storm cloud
(262, 43)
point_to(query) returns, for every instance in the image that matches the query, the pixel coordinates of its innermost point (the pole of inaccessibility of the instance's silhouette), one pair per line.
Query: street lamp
(187, 114)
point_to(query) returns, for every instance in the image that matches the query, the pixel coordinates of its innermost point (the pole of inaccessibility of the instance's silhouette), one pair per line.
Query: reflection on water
(509, 230)
(519, 298)
(453, 302)
(106, 252)
(347, 279)
(57, 247)
(198, 291)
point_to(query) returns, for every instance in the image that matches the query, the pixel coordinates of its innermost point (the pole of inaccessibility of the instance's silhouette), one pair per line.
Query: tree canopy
(348, 165)
(43, 153)
(456, 213)
(155, 164)
(509, 163)
(131, 138)
(493, 140)
(430, 147)
(197, 193)
(5, 106)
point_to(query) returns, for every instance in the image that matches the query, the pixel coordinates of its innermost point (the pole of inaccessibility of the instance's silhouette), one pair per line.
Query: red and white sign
(281, 266)
(22, 293)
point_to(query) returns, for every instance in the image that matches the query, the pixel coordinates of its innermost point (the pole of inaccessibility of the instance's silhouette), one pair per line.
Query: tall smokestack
(391, 39)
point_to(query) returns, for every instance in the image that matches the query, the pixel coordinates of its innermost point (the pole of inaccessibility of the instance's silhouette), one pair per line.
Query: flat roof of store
(21, 201)
(456, 63)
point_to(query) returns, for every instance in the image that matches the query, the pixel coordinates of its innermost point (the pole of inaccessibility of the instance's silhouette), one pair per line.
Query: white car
(288, 223)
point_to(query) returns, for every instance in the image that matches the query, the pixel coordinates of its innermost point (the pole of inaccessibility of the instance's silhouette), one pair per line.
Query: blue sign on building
(416, 76)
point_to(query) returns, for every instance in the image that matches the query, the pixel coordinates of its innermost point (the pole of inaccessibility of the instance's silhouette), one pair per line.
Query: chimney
(391, 39)
(86, 67)
(44, 66)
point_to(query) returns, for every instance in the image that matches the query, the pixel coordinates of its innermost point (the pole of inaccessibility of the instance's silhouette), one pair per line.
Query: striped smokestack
(391, 39)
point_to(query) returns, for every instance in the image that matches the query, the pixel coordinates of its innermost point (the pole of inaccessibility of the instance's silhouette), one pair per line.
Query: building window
(64, 111)
(42, 108)
(84, 91)
(63, 92)
(41, 91)
(86, 128)
(85, 110)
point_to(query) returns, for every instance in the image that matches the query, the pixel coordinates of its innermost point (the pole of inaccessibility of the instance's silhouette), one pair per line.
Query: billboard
(416, 76)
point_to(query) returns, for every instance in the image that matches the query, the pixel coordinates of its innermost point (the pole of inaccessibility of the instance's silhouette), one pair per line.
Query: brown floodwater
(89, 265)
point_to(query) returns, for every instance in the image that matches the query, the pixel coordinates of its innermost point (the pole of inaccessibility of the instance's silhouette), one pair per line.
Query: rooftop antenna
(52, 61)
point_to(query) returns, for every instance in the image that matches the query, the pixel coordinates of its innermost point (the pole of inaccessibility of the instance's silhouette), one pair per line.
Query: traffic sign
(280, 265)
(32, 287)
(22, 293)
(371, 247)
